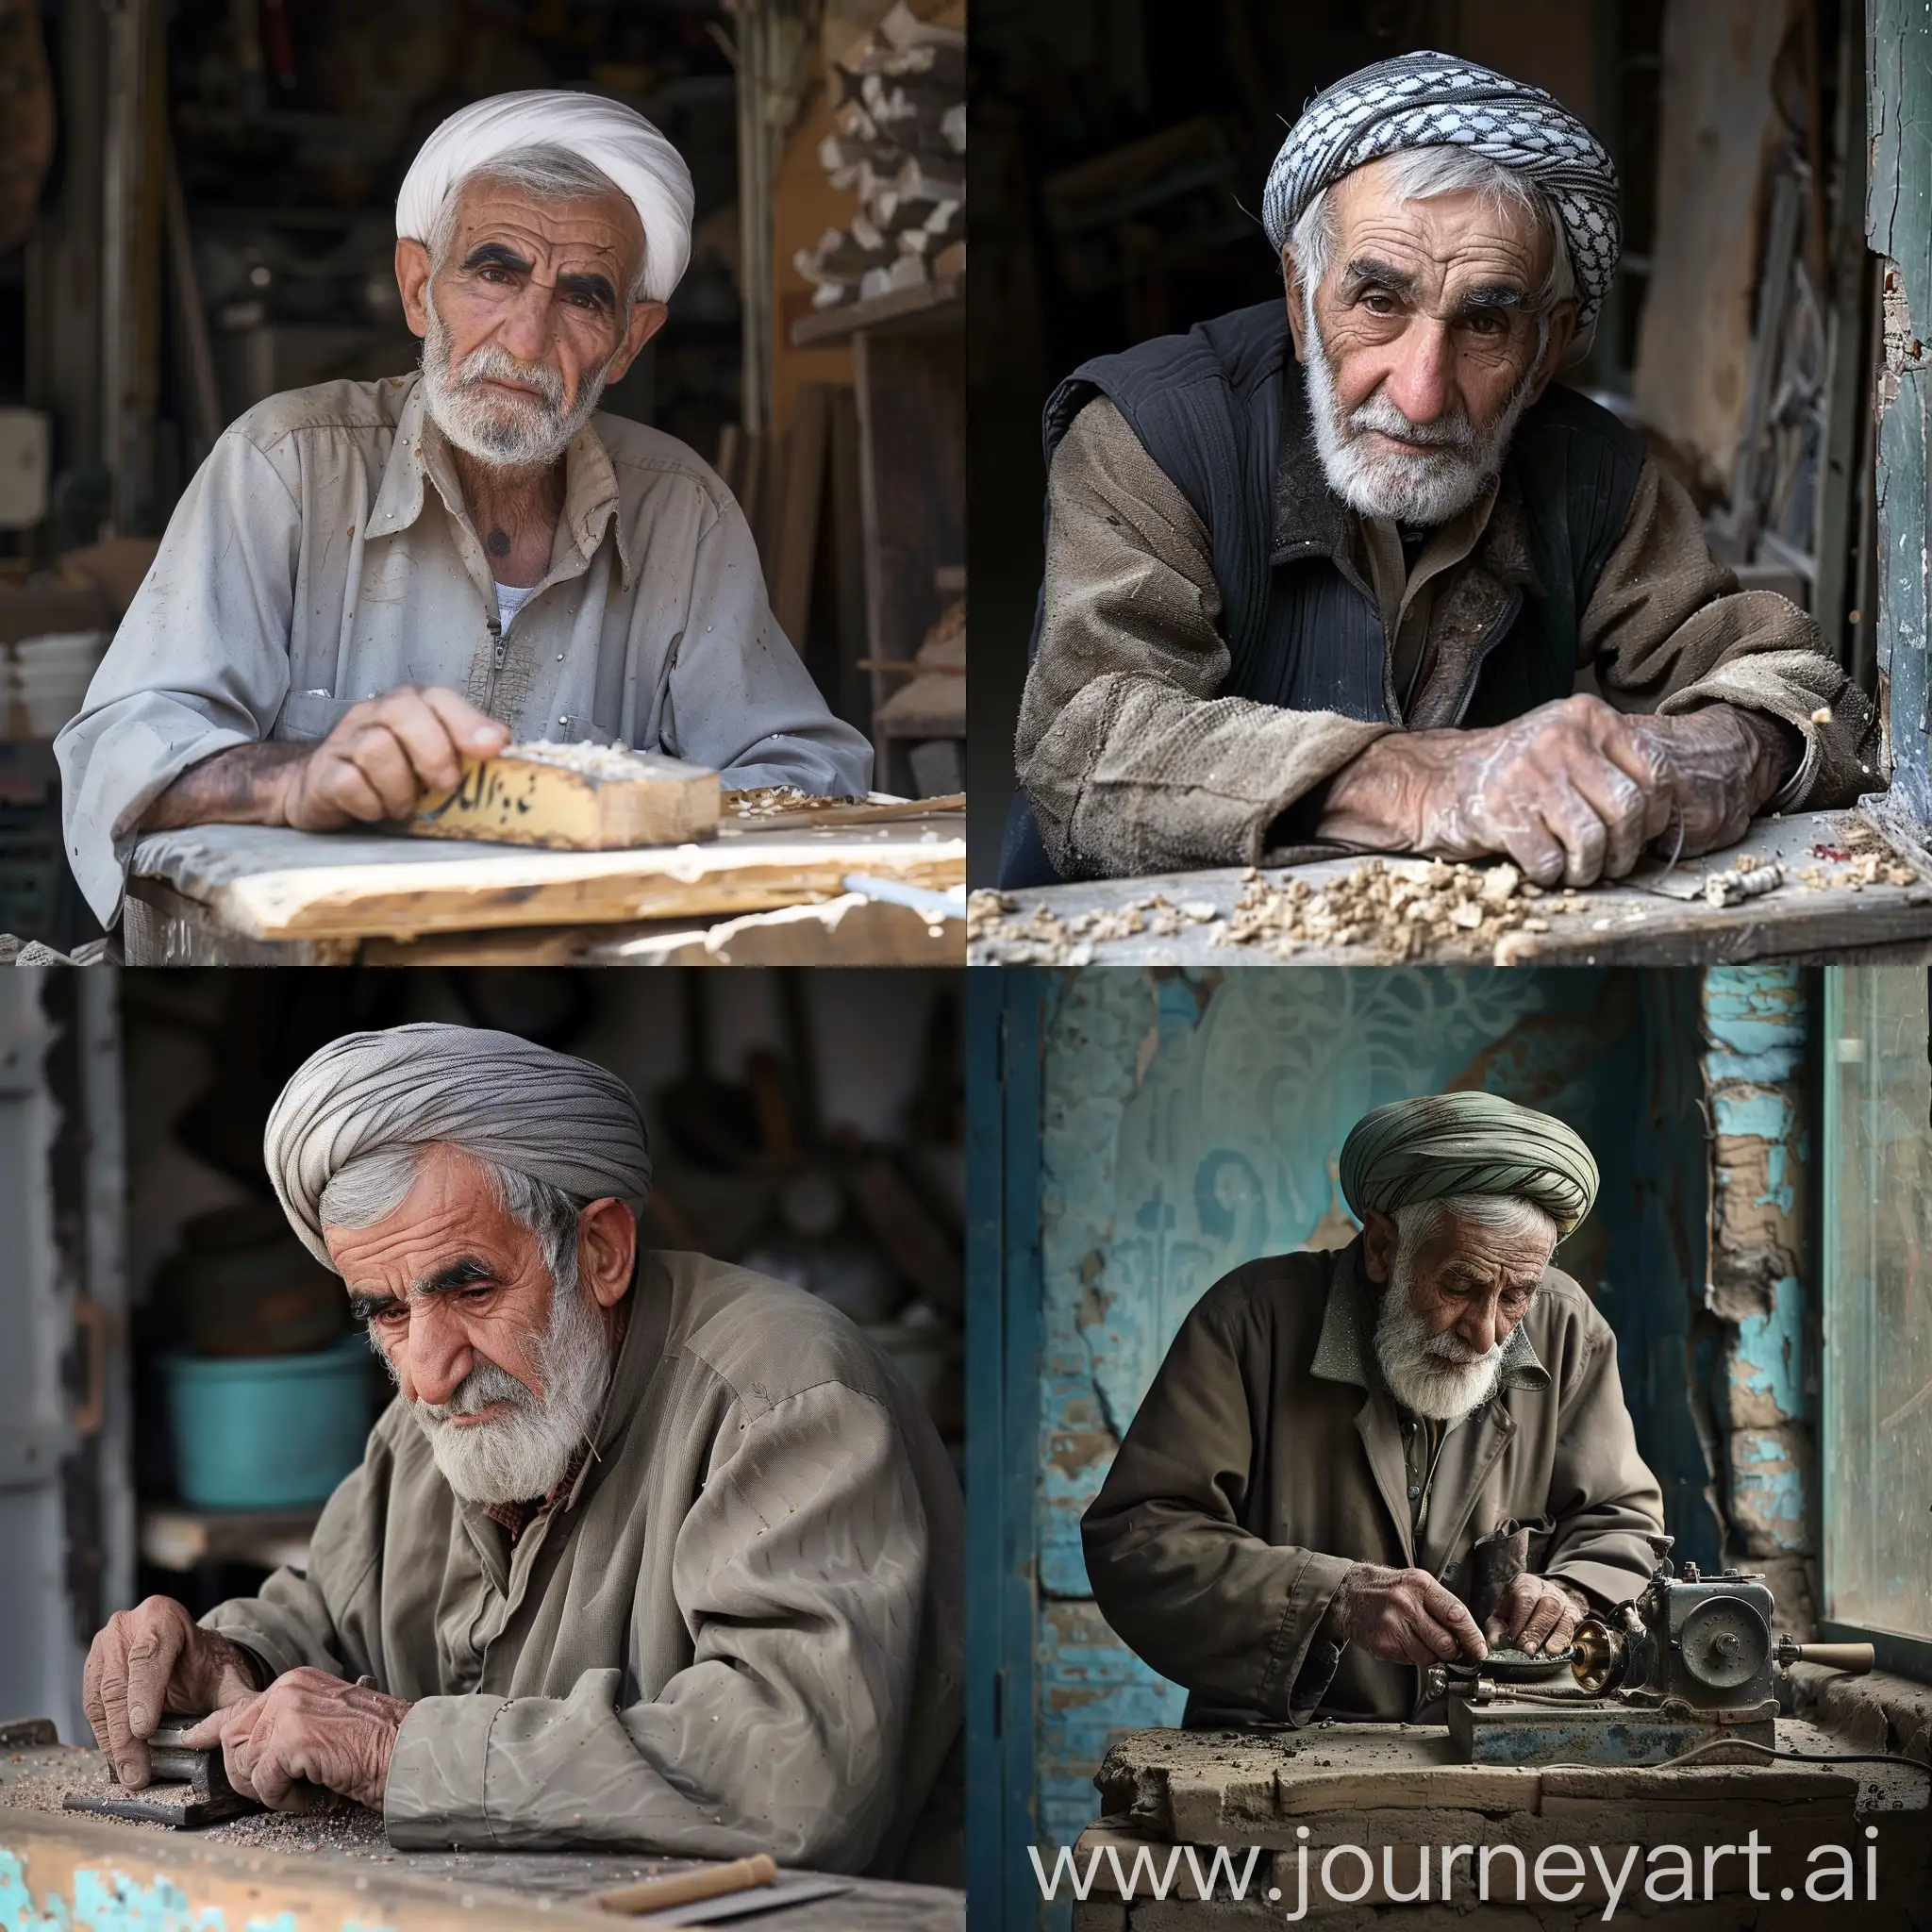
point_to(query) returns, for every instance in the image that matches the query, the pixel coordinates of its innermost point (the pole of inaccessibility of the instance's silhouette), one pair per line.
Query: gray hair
(1505, 1213)
(372, 1186)
(1421, 173)
(546, 170)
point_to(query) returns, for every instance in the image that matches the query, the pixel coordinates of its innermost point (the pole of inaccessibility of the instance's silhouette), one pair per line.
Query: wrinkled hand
(1572, 791)
(1402, 1617)
(383, 756)
(146, 1662)
(1535, 1613)
(306, 1729)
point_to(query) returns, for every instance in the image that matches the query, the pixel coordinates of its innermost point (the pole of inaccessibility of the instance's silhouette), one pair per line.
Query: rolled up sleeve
(738, 699)
(801, 1571)
(199, 663)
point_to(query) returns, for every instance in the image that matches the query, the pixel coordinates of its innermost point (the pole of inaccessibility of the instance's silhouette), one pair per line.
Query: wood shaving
(769, 800)
(1396, 911)
(592, 760)
(1043, 938)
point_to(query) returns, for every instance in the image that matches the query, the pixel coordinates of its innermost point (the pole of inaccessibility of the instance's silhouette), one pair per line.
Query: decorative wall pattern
(1191, 1122)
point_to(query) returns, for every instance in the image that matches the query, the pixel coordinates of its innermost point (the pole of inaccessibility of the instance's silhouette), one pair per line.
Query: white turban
(545, 1114)
(611, 136)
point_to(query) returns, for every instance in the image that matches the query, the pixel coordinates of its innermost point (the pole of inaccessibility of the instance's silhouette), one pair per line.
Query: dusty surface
(40, 1780)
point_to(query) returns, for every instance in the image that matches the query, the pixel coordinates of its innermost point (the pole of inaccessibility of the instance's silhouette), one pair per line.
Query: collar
(420, 450)
(1347, 1350)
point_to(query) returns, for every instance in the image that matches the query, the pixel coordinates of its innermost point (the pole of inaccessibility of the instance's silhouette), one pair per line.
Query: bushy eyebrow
(451, 1278)
(1365, 271)
(589, 282)
(498, 253)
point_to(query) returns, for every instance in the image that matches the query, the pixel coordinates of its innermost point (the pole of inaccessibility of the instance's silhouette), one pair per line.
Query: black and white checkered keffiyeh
(1435, 100)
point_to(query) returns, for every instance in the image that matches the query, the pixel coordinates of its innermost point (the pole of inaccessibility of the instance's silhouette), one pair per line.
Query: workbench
(52, 1862)
(1399, 1787)
(1658, 917)
(258, 895)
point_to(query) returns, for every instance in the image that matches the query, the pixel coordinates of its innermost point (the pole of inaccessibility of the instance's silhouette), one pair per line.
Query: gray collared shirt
(323, 555)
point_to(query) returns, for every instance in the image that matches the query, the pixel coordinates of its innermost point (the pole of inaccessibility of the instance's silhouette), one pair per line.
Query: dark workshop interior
(196, 212)
(1119, 155)
(808, 1125)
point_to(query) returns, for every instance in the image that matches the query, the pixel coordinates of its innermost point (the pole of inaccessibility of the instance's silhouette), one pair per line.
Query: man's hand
(148, 1661)
(1536, 1614)
(376, 763)
(1572, 791)
(1402, 1617)
(306, 1730)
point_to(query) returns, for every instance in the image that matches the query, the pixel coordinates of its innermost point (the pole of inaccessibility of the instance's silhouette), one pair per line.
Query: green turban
(1466, 1143)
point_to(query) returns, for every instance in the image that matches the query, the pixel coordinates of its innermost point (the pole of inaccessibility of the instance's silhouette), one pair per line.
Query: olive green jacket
(1267, 1457)
(741, 1631)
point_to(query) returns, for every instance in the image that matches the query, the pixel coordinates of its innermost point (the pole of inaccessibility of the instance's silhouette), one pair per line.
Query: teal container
(268, 1432)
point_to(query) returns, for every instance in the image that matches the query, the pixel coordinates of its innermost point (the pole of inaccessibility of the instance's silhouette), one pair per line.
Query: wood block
(574, 798)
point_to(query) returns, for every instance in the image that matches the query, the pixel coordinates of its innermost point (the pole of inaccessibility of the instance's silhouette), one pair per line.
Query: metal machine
(1689, 1663)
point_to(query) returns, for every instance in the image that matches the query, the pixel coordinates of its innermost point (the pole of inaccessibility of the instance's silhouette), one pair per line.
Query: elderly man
(1286, 1528)
(648, 1552)
(1354, 607)
(367, 580)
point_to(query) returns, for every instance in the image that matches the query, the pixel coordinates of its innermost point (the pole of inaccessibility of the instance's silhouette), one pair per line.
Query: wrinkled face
(447, 1280)
(1420, 345)
(504, 1368)
(1451, 1298)
(526, 317)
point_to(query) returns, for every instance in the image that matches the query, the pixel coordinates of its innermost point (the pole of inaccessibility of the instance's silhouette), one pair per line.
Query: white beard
(1439, 1376)
(521, 1455)
(1420, 491)
(513, 432)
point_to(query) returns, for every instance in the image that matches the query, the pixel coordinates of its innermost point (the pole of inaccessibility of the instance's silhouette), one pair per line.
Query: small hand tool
(176, 1763)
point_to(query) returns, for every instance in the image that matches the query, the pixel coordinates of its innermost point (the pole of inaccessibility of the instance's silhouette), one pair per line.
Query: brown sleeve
(1133, 764)
(1668, 630)
(1206, 1603)
(1602, 1493)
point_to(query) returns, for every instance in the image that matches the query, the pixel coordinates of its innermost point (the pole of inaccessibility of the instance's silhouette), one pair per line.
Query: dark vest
(1224, 412)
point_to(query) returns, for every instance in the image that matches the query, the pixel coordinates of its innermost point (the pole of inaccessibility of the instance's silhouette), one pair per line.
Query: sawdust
(771, 801)
(40, 1781)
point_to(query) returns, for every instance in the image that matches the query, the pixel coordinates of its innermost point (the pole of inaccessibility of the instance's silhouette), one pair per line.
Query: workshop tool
(1689, 1664)
(742, 1904)
(177, 1762)
(686, 1888)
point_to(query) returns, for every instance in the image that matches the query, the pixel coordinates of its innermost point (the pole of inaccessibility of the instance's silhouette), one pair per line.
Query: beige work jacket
(1267, 1457)
(323, 555)
(742, 1631)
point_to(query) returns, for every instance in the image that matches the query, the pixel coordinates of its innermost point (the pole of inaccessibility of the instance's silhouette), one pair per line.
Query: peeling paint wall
(1193, 1122)
(1760, 1290)
(1898, 227)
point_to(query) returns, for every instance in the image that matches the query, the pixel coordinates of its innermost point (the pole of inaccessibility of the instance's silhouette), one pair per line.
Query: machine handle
(1856, 1657)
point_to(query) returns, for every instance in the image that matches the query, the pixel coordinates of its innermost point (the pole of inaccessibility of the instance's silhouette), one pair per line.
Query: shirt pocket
(306, 717)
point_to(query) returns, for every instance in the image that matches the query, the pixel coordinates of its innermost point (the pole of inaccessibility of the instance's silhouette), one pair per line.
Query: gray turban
(545, 1114)
(1435, 100)
(1466, 1143)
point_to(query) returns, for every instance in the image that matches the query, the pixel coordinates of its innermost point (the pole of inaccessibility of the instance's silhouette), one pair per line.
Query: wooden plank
(1614, 924)
(161, 927)
(524, 797)
(227, 1880)
(798, 511)
(852, 931)
(264, 882)
(877, 810)
(935, 305)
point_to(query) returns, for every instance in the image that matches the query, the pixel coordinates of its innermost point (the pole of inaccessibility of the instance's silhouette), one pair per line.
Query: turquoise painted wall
(1191, 1122)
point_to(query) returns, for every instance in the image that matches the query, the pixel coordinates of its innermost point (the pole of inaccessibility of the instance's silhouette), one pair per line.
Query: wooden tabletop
(269, 884)
(1658, 917)
(329, 1874)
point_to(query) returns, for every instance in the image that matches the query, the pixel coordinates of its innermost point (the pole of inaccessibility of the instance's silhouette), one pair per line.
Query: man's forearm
(242, 786)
